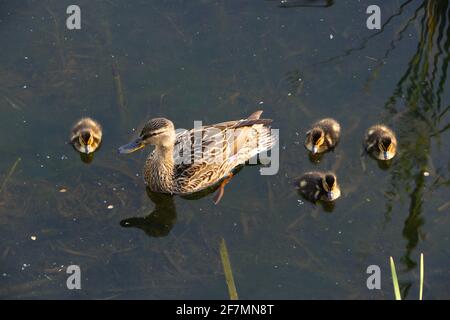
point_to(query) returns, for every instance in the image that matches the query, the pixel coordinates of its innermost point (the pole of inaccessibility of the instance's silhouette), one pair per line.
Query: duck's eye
(146, 135)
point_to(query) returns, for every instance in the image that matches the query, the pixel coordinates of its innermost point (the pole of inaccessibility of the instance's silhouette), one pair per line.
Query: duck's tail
(255, 115)
(253, 119)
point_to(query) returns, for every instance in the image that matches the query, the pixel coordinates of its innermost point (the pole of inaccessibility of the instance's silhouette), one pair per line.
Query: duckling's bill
(315, 149)
(333, 195)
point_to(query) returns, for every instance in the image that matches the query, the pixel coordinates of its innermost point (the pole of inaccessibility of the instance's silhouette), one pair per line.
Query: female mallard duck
(319, 186)
(380, 142)
(86, 135)
(189, 161)
(323, 136)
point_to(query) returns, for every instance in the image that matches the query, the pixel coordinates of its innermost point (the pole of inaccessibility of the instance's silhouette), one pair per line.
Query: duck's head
(317, 137)
(386, 148)
(158, 131)
(331, 187)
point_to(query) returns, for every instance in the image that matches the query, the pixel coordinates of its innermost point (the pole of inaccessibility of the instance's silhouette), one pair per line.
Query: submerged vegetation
(210, 61)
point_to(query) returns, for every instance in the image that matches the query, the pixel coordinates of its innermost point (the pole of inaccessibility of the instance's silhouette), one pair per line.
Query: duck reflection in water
(160, 221)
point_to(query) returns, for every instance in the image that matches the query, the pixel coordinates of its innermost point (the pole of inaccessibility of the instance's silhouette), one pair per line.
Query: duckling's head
(317, 137)
(158, 131)
(85, 141)
(331, 187)
(386, 148)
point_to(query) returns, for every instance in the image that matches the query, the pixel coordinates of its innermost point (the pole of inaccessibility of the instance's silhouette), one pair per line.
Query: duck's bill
(132, 146)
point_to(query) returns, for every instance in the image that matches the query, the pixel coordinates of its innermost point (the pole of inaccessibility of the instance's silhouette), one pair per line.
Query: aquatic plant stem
(422, 271)
(395, 280)
(227, 270)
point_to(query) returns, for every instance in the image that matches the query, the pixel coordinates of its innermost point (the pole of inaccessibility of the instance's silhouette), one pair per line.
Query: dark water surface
(216, 61)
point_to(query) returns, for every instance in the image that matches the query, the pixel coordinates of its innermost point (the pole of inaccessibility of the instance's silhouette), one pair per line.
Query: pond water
(216, 61)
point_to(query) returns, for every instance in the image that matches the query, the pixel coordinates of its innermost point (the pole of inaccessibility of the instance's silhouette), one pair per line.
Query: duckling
(323, 136)
(317, 185)
(380, 142)
(86, 135)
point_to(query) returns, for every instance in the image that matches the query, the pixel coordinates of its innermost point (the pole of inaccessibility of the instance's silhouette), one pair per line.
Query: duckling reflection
(160, 221)
(328, 206)
(87, 157)
(315, 158)
(384, 164)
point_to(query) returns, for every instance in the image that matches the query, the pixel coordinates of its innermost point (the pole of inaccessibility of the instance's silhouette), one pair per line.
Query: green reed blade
(422, 271)
(227, 270)
(395, 280)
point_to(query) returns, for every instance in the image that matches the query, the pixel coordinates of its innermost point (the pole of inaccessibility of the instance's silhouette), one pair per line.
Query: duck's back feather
(205, 155)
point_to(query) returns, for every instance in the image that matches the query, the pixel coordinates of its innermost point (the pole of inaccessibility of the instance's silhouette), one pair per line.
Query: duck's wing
(223, 141)
(209, 153)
